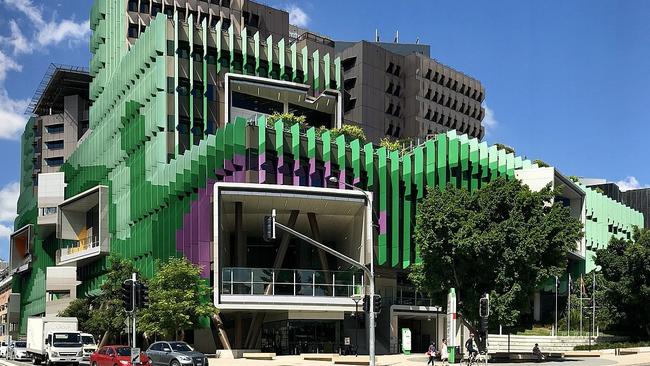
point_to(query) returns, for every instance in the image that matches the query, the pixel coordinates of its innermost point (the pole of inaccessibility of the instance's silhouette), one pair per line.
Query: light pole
(371, 275)
(356, 298)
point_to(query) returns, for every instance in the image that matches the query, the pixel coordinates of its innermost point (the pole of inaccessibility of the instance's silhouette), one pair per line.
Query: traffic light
(269, 227)
(127, 295)
(366, 304)
(141, 295)
(377, 304)
(484, 306)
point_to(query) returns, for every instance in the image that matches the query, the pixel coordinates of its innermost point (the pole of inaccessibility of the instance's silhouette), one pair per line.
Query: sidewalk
(420, 360)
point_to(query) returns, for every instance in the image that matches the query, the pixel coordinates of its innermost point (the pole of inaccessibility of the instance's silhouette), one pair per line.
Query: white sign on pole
(346, 341)
(135, 356)
(451, 318)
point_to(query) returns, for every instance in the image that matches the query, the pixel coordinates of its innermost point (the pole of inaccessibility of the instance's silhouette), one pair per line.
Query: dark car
(174, 353)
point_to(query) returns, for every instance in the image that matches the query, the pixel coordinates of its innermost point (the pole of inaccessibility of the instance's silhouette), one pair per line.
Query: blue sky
(566, 81)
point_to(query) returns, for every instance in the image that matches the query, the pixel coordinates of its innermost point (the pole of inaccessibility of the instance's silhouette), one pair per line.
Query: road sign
(135, 356)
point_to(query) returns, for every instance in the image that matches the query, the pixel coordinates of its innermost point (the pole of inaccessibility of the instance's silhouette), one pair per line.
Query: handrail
(290, 282)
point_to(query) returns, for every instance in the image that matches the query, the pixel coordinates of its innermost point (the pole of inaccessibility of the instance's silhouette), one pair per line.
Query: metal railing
(81, 245)
(290, 282)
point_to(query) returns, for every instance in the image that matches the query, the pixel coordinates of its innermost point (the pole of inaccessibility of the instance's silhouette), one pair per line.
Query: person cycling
(471, 350)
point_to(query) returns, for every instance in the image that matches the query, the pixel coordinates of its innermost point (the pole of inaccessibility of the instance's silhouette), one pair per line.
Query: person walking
(444, 352)
(432, 354)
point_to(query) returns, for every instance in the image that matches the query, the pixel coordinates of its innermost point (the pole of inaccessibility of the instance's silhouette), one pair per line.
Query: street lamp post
(356, 298)
(371, 276)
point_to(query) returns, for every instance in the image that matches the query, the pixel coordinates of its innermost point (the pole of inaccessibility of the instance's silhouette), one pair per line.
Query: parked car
(175, 354)
(90, 346)
(18, 351)
(116, 356)
(3, 349)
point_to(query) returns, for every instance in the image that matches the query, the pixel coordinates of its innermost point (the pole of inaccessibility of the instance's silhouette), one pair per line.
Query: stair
(518, 343)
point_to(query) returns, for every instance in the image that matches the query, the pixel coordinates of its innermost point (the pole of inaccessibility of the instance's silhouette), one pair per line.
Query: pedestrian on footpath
(444, 352)
(432, 354)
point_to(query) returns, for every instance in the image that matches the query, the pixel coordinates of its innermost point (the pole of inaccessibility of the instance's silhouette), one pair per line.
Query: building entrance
(293, 337)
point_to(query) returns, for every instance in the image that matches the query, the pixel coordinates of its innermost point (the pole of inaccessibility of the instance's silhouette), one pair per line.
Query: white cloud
(5, 231)
(12, 118)
(7, 64)
(8, 199)
(630, 183)
(28, 9)
(297, 16)
(489, 121)
(54, 32)
(17, 40)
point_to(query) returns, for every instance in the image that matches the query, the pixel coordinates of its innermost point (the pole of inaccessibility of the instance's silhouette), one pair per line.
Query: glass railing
(81, 245)
(290, 282)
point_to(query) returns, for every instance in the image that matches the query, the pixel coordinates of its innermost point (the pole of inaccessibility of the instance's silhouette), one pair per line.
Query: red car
(116, 356)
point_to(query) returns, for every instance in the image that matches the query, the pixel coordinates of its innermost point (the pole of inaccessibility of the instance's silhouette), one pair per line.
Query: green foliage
(351, 133)
(178, 299)
(605, 314)
(574, 178)
(612, 345)
(288, 119)
(389, 144)
(599, 190)
(503, 240)
(80, 308)
(104, 313)
(541, 163)
(625, 267)
(507, 148)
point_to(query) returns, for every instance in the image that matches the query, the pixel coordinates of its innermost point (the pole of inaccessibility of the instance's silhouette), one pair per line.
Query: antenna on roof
(396, 40)
(376, 35)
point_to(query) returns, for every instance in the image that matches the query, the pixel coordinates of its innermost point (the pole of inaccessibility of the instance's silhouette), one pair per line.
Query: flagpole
(581, 296)
(568, 322)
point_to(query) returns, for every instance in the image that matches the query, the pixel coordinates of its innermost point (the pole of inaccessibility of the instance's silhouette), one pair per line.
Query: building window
(397, 90)
(144, 7)
(389, 110)
(58, 161)
(133, 31)
(133, 5)
(54, 145)
(397, 110)
(169, 12)
(390, 68)
(225, 25)
(183, 88)
(398, 69)
(183, 50)
(389, 90)
(58, 128)
(155, 9)
(214, 21)
(225, 3)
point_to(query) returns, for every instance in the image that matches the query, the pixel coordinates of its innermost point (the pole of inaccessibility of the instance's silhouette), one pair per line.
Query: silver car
(175, 353)
(18, 351)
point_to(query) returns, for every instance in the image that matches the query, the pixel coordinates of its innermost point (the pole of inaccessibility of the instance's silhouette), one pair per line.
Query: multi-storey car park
(180, 160)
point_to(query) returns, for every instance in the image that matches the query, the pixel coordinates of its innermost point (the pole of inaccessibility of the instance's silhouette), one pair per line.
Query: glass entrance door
(293, 337)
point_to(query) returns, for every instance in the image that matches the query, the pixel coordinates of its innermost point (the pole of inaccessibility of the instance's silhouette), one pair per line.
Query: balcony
(83, 227)
(21, 247)
(290, 287)
(78, 249)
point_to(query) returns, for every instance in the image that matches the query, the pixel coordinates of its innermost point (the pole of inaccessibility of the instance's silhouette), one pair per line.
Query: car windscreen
(20, 344)
(180, 347)
(66, 340)
(123, 351)
(87, 340)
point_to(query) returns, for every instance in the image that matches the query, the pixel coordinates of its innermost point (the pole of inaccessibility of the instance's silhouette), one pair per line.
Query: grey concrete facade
(398, 91)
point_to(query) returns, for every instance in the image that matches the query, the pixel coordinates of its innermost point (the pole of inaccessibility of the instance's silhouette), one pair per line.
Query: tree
(625, 266)
(503, 240)
(178, 299)
(507, 148)
(105, 313)
(80, 308)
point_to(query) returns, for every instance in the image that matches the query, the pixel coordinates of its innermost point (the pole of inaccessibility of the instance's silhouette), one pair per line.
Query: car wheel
(94, 363)
(174, 363)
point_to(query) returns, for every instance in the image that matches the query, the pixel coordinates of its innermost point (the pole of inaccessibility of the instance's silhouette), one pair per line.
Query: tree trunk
(105, 339)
